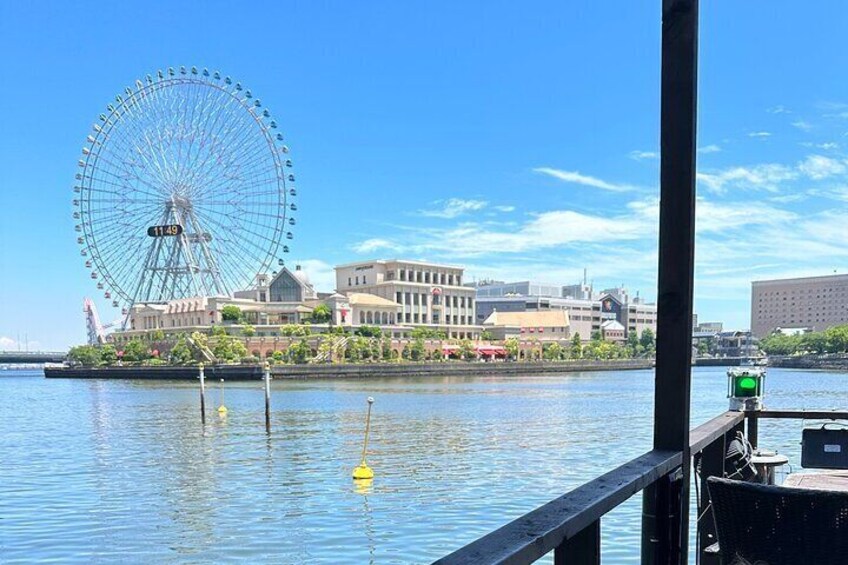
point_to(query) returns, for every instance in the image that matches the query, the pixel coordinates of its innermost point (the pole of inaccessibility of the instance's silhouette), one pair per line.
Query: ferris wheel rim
(95, 251)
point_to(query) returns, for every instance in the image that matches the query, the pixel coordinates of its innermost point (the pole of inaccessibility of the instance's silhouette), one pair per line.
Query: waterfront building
(815, 303)
(429, 295)
(285, 298)
(521, 288)
(551, 325)
(713, 327)
(585, 315)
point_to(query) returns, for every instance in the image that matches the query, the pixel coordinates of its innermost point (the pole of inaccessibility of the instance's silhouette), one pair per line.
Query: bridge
(32, 356)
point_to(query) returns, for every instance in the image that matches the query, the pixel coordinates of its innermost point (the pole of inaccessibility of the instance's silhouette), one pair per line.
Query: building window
(357, 280)
(349, 282)
(399, 297)
(364, 280)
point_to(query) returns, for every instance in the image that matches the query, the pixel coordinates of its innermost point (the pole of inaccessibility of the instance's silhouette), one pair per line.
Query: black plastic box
(823, 448)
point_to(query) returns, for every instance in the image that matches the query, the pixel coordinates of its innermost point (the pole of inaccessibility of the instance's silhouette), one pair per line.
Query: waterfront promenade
(349, 370)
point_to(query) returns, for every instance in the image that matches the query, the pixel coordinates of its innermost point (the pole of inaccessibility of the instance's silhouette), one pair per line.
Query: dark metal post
(753, 428)
(202, 394)
(666, 503)
(267, 377)
(582, 549)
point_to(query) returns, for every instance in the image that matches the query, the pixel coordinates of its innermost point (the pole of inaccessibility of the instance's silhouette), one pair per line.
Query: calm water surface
(123, 471)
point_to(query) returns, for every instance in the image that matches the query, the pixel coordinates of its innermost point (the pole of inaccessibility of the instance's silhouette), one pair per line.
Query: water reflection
(105, 470)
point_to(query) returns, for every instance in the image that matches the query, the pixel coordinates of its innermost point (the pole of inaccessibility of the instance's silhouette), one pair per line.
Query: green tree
(417, 350)
(157, 335)
(86, 355)
(837, 339)
(815, 342)
(228, 348)
(511, 346)
(136, 351)
(368, 331)
(552, 351)
(230, 313)
(321, 314)
(248, 330)
(299, 352)
(576, 347)
(466, 350)
(278, 356)
(632, 340)
(486, 335)
(427, 333)
(218, 331)
(108, 354)
(181, 353)
(386, 350)
(647, 339)
(596, 335)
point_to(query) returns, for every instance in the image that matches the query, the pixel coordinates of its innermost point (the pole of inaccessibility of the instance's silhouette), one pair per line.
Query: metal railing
(569, 526)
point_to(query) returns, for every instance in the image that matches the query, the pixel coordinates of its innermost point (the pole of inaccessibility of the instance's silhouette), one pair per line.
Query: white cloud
(504, 208)
(802, 125)
(779, 109)
(759, 177)
(453, 207)
(828, 146)
(374, 244)
(321, 274)
(9, 344)
(577, 178)
(818, 167)
(641, 155)
(760, 134)
(709, 149)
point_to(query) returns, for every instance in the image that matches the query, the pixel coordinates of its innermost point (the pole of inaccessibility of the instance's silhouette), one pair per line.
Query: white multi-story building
(429, 295)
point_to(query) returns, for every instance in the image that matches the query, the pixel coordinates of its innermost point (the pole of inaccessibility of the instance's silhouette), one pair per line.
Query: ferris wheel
(185, 188)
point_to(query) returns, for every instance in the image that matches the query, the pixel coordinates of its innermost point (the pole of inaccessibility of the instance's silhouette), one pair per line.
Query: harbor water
(123, 471)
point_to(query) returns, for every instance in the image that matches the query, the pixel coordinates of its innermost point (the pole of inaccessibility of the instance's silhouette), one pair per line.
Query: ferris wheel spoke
(241, 159)
(249, 249)
(128, 143)
(237, 130)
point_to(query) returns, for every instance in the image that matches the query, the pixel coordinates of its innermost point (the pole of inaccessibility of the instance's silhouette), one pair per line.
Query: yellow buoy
(363, 471)
(222, 409)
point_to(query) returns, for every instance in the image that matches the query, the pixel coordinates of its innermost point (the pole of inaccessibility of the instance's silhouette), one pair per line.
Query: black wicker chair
(773, 525)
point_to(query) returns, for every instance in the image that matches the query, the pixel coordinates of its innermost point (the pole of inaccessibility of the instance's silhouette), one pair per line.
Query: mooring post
(202, 394)
(267, 376)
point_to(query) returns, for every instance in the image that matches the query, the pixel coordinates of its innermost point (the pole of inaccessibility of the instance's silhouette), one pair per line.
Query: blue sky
(518, 140)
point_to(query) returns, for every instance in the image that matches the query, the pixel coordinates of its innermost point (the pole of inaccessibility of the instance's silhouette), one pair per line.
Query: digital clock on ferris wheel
(164, 231)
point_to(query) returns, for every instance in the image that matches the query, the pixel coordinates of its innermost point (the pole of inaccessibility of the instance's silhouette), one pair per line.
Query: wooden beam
(801, 414)
(708, 432)
(678, 117)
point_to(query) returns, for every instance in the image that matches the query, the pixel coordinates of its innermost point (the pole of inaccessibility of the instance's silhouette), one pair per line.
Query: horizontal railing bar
(800, 414)
(708, 432)
(538, 532)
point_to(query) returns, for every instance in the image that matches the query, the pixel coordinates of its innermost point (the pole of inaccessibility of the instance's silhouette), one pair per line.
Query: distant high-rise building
(816, 303)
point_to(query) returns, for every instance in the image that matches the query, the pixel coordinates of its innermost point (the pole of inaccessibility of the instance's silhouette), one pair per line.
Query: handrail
(542, 530)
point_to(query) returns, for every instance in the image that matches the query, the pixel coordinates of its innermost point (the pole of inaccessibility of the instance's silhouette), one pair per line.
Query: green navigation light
(747, 383)
(746, 386)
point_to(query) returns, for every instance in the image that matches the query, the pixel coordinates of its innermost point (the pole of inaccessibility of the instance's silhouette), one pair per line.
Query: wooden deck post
(666, 503)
